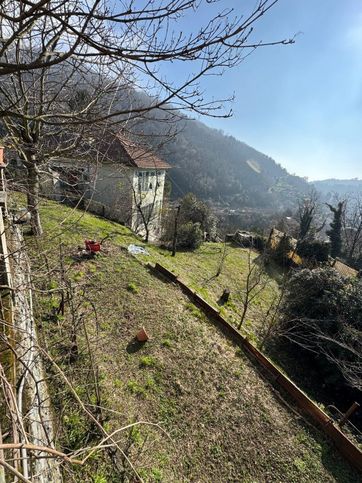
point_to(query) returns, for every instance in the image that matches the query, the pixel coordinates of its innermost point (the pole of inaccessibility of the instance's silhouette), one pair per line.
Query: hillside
(217, 419)
(343, 188)
(217, 166)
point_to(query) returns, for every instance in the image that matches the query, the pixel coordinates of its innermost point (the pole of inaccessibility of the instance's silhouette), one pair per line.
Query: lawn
(207, 415)
(199, 270)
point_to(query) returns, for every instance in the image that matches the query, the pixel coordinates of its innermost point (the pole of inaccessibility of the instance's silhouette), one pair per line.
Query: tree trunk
(243, 315)
(73, 351)
(33, 200)
(174, 240)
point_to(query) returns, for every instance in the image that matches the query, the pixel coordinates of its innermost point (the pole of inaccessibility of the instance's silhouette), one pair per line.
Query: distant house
(276, 236)
(343, 269)
(126, 185)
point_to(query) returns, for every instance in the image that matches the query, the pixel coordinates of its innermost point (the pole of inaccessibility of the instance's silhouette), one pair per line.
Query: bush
(189, 236)
(195, 211)
(323, 317)
(192, 211)
(314, 250)
(315, 294)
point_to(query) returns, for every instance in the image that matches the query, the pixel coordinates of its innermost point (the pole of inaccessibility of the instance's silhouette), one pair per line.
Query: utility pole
(174, 241)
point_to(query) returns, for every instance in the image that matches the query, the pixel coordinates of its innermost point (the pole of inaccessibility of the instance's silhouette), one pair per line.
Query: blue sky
(301, 104)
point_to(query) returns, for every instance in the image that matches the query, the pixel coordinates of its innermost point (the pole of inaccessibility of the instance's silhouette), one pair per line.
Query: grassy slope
(199, 271)
(224, 421)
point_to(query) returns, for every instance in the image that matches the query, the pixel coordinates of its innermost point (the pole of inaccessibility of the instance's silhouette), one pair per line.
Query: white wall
(114, 190)
(110, 187)
(148, 190)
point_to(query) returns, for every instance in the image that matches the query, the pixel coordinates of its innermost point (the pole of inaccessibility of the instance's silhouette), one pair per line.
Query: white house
(126, 184)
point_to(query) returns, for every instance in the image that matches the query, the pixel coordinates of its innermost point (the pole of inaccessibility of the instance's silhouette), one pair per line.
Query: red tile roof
(120, 149)
(142, 156)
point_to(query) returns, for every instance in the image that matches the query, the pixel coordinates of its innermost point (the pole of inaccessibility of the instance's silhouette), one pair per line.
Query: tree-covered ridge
(340, 187)
(214, 165)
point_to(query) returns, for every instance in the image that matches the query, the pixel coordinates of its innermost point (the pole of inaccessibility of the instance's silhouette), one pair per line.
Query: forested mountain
(218, 167)
(342, 188)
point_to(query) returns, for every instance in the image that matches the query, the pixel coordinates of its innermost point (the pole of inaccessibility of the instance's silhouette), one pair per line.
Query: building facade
(126, 185)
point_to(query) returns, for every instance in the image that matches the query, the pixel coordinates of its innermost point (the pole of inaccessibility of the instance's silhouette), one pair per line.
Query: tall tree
(335, 231)
(307, 213)
(130, 40)
(352, 230)
(75, 89)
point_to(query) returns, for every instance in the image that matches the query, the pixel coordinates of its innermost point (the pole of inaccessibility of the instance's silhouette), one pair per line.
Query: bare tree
(49, 50)
(307, 213)
(37, 35)
(74, 88)
(255, 283)
(352, 229)
(273, 313)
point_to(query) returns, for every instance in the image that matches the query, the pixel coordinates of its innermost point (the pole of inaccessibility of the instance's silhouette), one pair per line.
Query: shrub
(323, 316)
(315, 294)
(259, 242)
(192, 211)
(189, 236)
(195, 211)
(314, 250)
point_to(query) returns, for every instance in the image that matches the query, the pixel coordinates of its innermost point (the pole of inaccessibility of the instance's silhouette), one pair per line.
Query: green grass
(132, 287)
(147, 361)
(219, 420)
(198, 270)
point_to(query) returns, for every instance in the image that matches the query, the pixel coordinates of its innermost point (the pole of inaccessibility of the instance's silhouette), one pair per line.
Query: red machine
(92, 246)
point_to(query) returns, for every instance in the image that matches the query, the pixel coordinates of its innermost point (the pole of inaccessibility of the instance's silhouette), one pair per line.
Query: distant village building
(276, 237)
(343, 269)
(125, 185)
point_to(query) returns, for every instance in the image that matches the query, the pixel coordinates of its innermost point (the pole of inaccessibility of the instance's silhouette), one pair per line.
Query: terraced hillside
(205, 414)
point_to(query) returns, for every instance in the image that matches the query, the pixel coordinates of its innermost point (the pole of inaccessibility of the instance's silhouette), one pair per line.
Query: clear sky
(302, 103)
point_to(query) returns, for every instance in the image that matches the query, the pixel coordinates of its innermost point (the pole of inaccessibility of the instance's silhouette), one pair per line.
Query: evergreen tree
(335, 231)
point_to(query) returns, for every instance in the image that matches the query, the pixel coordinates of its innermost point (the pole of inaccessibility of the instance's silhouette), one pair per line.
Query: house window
(145, 180)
